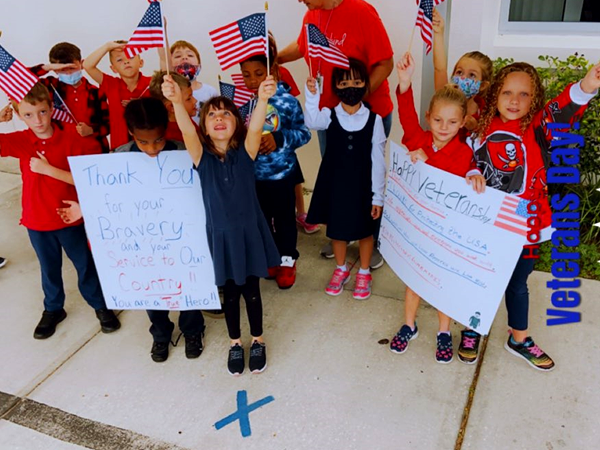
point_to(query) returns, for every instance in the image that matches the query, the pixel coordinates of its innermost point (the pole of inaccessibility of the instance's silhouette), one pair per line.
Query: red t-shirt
(43, 194)
(355, 28)
(173, 132)
(116, 91)
(455, 157)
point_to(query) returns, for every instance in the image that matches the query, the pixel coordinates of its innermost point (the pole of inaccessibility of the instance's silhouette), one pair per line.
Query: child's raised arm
(91, 62)
(405, 68)
(591, 82)
(440, 62)
(6, 114)
(315, 118)
(172, 92)
(266, 90)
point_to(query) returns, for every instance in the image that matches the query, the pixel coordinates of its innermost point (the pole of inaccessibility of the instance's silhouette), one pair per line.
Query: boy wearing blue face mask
(87, 105)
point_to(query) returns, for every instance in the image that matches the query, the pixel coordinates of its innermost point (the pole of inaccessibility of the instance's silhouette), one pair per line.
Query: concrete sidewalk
(333, 380)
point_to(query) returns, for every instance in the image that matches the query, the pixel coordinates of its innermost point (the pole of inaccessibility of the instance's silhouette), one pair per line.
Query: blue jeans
(48, 246)
(387, 126)
(516, 295)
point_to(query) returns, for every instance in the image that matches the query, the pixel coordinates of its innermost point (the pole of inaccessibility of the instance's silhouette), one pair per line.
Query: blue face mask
(70, 78)
(469, 86)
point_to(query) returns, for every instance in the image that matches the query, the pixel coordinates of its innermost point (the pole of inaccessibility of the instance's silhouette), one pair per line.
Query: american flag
(242, 93)
(240, 40)
(513, 215)
(319, 47)
(245, 111)
(149, 33)
(424, 18)
(61, 111)
(240, 96)
(15, 79)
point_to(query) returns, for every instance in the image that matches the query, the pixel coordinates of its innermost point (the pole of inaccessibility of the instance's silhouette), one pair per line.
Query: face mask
(469, 86)
(70, 78)
(351, 95)
(190, 71)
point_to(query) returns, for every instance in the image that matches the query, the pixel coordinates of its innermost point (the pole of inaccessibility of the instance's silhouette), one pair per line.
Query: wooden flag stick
(308, 53)
(166, 41)
(267, 35)
(412, 35)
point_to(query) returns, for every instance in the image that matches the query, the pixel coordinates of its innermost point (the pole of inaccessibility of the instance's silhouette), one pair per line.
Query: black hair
(358, 71)
(146, 113)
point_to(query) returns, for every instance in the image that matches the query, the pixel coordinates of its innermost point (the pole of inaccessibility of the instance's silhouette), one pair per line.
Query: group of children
(250, 173)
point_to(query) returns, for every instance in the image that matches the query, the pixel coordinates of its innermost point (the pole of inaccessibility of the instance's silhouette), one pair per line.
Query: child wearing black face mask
(348, 194)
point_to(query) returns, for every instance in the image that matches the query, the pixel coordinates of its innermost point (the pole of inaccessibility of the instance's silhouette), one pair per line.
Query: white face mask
(70, 78)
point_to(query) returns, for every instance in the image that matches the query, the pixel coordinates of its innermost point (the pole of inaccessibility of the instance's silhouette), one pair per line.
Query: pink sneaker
(362, 288)
(337, 282)
(308, 228)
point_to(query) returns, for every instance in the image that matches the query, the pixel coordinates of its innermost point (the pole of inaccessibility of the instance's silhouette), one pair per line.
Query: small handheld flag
(424, 21)
(149, 33)
(15, 79)
(61, 112)
(319, 47)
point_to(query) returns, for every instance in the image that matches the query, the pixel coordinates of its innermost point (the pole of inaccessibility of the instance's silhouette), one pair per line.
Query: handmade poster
(455, 248)
(146, 224)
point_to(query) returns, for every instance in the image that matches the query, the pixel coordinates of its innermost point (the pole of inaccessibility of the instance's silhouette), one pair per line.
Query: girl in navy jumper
(241, 244)
(512, 147)
(442, 148)
(348, 195)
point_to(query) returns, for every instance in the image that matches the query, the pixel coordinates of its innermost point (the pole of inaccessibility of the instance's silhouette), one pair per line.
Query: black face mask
(351, 95)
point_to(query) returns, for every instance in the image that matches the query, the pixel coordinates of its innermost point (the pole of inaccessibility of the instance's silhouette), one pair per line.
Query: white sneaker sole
(511, 351)
(259, 370)
(444, 362)
(335, 294)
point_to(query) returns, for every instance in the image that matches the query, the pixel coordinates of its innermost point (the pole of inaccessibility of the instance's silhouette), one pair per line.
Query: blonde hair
(185, 44)
(450, 94)
(491, 100)
(486, 64)
(157, 81)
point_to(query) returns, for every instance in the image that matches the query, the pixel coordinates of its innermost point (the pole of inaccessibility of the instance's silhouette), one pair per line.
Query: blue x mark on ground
(243, 412)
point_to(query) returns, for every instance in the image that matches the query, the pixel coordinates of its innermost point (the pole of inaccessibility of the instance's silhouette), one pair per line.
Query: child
(241, 244)
(513, 149)
(348, 195)
(130, 85)
(185, 60)
(88, 106)
(472, 73)
(276, 166)
(43, 150)
(442, 148)
(172, 131)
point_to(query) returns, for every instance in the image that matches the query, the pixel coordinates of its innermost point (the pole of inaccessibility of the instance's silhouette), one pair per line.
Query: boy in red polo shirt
(173, 132)
(130, 84)
(43, 150)
(88, 106)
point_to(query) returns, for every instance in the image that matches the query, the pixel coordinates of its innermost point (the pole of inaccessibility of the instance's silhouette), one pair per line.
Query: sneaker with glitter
(399, 342)
(362, 287)
(337, 282)
(444, 353)
(468, 350)
(530, 352)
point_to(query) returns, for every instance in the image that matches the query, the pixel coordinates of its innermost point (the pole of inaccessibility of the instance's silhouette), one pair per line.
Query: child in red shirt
(84, 100)
(173, 132)
(43, 150)
(442, 148)
(130, 85)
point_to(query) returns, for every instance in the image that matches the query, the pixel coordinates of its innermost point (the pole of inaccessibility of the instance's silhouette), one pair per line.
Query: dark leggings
(231, 306)
(517, 294)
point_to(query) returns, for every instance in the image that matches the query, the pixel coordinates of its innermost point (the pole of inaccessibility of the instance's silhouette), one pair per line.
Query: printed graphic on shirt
(501, 160)
(272, 121)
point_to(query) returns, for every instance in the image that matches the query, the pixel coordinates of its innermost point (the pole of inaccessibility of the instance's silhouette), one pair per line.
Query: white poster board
(455, 248)
(146, 224)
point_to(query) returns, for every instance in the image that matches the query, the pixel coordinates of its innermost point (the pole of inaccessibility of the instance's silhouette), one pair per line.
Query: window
(550, 17)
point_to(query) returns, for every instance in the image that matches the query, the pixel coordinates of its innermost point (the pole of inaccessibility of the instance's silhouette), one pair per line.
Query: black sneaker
(258, 357)
(47, 325)
(399, 343)
(160, 351)
(108, 320)
(530, 352)
(194, 345)
(235, 360)
(444, 353)
(468, 350)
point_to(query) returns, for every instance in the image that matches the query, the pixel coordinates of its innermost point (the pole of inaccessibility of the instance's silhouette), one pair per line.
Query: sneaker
(258, 357)
(159, 352)
(108, 320)
(531, 353)
(47, 325)
(194, 345)
(444, 353)
(468, 350)
(337, 282)
(376, 260)
(362, 288)
(400, 342)
(272, 273)
(327, 250)
(308, 228)
(235, 360)
(2, 262)
(286, 276)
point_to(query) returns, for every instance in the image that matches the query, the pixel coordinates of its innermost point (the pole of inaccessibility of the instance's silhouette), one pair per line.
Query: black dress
(238, 236)
(343, 196)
